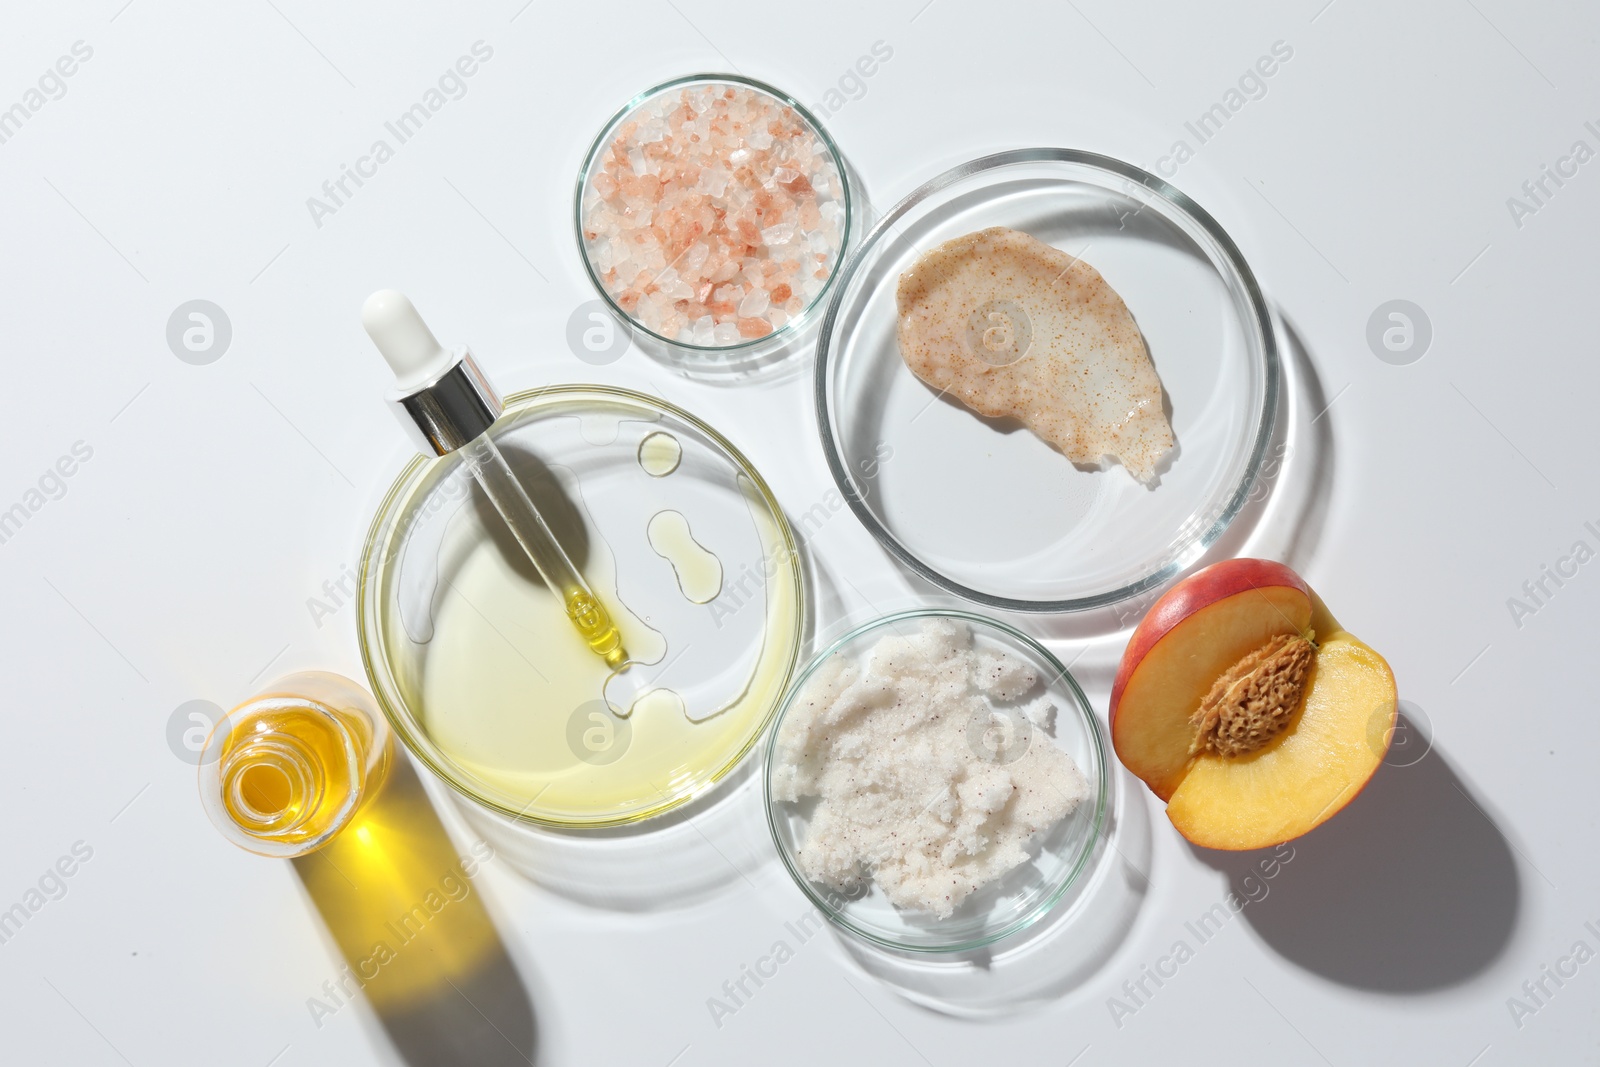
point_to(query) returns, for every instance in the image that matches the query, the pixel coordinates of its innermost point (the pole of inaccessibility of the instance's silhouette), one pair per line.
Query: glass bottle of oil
(306, 770)
(285, 771)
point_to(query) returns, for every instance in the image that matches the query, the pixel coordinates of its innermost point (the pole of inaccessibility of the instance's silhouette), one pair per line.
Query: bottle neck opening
(273, 785)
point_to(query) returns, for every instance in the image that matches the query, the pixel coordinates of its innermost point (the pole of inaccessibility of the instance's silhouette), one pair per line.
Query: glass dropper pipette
(444, 398)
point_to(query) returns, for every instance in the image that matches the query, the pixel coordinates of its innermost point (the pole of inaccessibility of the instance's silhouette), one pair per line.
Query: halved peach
(1242, 703)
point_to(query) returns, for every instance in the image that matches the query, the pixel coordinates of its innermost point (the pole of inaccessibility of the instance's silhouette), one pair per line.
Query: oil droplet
(699, 571)
(659, 454)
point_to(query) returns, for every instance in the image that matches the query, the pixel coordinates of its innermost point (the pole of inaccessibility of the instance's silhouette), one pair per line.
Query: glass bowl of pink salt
(713, 212)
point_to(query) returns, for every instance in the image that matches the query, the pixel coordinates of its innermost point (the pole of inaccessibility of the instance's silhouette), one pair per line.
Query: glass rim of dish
(808, 314)
(1263, 343)
(386, 522)
(1089, 724)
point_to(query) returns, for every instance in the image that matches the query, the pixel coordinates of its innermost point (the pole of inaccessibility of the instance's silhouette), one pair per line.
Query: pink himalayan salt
(700, 201)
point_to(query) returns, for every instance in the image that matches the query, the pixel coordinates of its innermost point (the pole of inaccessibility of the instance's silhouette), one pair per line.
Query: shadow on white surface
(1058, 954)
(675, 860)
(418, 943)
(1287, 505)
(1306, 457)
(1411, 888)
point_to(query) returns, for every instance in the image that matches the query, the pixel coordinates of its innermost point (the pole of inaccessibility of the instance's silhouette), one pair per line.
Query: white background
(219, 498)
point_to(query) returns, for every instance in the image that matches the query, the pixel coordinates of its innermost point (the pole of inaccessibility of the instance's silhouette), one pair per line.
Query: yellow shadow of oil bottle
(306, 771)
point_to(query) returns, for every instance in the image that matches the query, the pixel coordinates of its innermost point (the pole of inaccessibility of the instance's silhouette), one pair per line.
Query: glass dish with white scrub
(997, 737)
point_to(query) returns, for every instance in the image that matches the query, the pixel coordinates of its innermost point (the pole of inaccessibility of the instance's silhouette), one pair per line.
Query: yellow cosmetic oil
(285, 771)
(305, 770)
(698, 569)
(286, 778)
(480, 665)
(660, 454)
(594, 623)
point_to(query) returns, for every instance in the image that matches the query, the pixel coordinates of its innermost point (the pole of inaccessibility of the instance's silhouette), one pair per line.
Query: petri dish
(1019, 898)
(797, 200)
(487, 682)
(982, 507)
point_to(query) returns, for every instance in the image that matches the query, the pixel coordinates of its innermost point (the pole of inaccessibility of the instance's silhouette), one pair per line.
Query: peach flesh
(1297, 780)
(1303, 776)
(1201, 627)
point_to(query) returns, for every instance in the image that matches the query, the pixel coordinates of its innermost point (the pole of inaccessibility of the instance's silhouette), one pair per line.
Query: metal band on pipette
(456, 407)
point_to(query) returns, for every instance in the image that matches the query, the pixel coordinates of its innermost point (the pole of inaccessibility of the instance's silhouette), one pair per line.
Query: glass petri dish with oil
(481, 672)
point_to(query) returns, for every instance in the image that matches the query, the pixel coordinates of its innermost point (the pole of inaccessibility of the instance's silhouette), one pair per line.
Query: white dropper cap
(442, 399)
(410, 348)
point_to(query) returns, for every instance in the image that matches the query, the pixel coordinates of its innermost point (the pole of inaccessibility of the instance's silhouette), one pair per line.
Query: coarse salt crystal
(781, 234)
(713, 181)
(754, 304)
(708, 198)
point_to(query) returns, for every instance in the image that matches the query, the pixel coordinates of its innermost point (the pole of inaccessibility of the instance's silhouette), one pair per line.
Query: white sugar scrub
(713, 213)
(918, 785)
